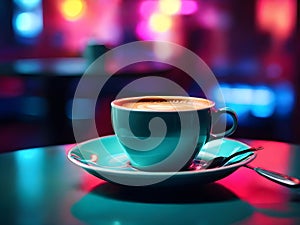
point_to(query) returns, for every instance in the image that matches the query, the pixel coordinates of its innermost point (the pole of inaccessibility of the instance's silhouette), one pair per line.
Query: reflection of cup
(213, 204)
(165, 133)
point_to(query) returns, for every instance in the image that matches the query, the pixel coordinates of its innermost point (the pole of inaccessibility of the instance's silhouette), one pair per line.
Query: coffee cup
(165, 133)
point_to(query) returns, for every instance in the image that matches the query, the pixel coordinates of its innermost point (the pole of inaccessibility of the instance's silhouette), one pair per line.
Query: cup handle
(231, 130)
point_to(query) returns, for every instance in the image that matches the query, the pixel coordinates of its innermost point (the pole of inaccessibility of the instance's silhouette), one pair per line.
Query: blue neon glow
(238, 97)
(285, 99)
(241, 94)
(28, 24)
(259, 101)
(263, 102)
(28, 4)
(29, 174)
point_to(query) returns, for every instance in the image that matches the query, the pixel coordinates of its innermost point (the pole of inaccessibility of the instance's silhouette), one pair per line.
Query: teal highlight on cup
(165, 133)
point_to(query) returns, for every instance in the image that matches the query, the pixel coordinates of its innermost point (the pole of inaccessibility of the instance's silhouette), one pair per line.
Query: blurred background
(251, 46)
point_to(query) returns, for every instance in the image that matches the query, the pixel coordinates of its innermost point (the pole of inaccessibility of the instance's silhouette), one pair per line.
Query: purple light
(213, 18)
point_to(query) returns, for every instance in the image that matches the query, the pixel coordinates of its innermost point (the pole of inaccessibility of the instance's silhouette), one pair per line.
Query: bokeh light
(27, 4)
(28, 24)
(188, 7)
(277, 17)
(169, 7)
(147, 7)
(72, 9)
(261, 101)
(159, 22)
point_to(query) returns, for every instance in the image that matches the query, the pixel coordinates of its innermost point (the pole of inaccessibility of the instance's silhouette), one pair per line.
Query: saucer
(105, 158)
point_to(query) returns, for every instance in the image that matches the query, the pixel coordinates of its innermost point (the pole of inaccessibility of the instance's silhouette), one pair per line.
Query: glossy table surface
(41, 186)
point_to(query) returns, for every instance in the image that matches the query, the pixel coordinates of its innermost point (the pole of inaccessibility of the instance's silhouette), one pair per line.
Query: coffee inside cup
(165, 104)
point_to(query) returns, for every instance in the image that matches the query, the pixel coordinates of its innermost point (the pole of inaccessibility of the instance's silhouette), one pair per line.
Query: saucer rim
(136, 172)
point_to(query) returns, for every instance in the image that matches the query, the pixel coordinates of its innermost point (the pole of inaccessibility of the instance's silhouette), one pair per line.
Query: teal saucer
(105, 158)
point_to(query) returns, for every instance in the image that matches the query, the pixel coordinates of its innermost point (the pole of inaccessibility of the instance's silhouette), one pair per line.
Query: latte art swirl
(166, 105)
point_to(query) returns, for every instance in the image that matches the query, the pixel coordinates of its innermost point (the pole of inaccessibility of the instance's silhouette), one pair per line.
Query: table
(41, 186)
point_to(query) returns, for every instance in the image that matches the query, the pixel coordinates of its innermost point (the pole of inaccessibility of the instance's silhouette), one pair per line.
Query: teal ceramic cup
(165, 133)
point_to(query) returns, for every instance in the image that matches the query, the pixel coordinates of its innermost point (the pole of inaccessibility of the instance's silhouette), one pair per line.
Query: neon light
(241, 94)
(160, 23)
(276, 16)
(188, 7)
(169, 7)
(28, 4)
(263, 102)
(239, 98)
(28, 24)
(147, 8)
(143, 31)
(285, 99)
(263, 95)
(260, 101)
(72, 9)
(210, 18)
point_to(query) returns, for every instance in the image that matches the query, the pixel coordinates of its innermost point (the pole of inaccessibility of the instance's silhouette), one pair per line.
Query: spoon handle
(277, 177)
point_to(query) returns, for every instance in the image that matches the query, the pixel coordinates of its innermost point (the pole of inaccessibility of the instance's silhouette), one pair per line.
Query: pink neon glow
(106, 28)
(143, 31)
(148, 7)
(210, 18)
(280, 161)
(278, 17)
(188, 7)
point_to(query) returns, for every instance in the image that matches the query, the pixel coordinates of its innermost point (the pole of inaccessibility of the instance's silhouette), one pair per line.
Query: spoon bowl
(219, 161)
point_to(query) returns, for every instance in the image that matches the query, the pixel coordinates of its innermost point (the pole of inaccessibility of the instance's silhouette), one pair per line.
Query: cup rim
(116, 103)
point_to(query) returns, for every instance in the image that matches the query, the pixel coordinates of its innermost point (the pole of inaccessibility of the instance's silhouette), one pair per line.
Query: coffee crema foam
(166, 105)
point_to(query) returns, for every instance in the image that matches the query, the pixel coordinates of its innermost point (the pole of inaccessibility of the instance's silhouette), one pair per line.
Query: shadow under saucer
(155, 194)
(206, 204)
